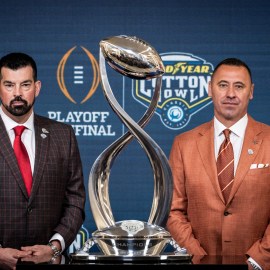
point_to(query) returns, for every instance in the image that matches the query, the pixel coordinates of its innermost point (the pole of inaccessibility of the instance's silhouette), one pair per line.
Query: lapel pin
(250, 152)
(44, 130)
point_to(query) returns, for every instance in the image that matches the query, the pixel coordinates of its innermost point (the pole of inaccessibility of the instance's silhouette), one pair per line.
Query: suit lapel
(42, 145)
(7, 152)
(205, 144)
(250, 149)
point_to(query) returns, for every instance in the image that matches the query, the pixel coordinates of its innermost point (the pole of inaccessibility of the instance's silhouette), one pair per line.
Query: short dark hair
(18, 60)
(233, 62)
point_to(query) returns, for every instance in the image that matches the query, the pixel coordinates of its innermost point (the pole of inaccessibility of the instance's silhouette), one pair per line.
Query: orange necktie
(23, 158)
(225, 165)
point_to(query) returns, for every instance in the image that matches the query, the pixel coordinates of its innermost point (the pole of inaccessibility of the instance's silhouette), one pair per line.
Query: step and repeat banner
(191, 38)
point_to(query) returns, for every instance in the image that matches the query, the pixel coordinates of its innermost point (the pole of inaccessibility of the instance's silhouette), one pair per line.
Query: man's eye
(222, 85)
(26, 85)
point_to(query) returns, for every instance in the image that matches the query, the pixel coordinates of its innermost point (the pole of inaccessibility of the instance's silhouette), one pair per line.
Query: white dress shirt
(236, 137)
(28, 136)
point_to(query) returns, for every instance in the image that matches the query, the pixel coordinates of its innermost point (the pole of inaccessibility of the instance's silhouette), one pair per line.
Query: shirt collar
(10, 124)
(238, 128)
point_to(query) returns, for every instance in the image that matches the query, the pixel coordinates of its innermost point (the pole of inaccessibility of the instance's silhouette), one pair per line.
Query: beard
(18, 110)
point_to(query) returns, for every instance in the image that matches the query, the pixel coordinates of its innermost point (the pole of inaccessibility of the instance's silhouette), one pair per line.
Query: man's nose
(17, 90)
(231, 91)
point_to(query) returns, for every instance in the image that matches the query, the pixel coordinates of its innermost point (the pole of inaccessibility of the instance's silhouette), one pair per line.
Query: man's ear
(37, 88)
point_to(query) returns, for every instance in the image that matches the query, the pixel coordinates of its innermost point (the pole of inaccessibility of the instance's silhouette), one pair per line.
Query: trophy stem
(100, 172)
(158, 161)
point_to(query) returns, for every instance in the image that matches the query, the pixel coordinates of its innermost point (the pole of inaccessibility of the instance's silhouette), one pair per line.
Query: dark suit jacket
(199, 219)
(56, 203)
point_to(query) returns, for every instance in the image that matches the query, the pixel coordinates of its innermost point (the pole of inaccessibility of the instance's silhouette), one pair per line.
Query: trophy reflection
(136, 59)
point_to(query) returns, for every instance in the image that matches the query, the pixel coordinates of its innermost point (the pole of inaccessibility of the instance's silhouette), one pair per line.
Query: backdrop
(191, 36)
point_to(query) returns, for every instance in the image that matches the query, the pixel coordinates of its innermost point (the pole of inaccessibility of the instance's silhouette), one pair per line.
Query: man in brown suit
(200, 219)
(39, 225)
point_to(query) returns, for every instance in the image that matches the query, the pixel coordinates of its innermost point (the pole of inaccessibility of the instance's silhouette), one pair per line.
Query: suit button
(29, 210)
(226, 213)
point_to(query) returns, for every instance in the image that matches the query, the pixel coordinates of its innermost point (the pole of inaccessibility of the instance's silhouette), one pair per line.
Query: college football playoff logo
(78, 74)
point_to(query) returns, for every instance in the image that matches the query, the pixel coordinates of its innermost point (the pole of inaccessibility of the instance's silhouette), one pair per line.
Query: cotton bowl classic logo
(78, 73)
(184, 89)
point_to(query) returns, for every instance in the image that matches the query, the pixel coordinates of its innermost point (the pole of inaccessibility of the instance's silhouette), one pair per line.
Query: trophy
(136, 59)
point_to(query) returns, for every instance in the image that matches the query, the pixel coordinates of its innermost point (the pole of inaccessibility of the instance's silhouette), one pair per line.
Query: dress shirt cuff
(63, 260)
(254, 264)
(59, 237)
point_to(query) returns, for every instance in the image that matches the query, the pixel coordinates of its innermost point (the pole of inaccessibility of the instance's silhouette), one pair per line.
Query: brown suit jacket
(199, 219)
(56, 203)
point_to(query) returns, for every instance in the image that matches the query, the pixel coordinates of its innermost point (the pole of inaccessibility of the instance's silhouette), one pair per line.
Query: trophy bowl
(132, 238)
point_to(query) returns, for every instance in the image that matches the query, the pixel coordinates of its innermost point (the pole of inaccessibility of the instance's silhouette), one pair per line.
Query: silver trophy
(134, 58)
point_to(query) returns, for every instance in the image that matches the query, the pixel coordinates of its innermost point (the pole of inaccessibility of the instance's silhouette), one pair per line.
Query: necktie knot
(227, 133)
(19, 130)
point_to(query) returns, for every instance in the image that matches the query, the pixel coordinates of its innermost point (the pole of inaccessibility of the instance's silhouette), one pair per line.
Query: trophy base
(108, 259)
(131, 238)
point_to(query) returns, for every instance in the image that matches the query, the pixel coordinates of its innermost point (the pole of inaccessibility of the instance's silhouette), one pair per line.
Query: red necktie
(225, 165)
(23, 158)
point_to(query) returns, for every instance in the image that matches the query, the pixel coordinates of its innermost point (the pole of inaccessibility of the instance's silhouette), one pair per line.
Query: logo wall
(184, 89)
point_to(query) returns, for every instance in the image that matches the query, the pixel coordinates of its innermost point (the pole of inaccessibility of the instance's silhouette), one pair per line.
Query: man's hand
(10, 256)
(39, 254)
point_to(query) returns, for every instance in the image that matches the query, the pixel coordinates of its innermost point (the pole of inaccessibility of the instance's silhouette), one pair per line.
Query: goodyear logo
(81, 238)
(78, 74)
(184, 89)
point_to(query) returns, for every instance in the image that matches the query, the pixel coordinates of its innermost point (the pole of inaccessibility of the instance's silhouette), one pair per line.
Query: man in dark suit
(204, 217)
(40, 222)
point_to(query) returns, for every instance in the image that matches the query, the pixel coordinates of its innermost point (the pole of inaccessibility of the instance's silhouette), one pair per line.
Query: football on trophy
(132, 57)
